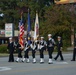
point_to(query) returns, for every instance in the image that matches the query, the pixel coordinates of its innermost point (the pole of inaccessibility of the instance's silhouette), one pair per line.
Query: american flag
(21, 33)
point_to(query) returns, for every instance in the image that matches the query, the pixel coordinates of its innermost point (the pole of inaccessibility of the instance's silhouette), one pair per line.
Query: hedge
(3, 48)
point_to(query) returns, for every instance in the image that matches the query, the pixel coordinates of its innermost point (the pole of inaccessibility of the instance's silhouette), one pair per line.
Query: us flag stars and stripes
(21, 33)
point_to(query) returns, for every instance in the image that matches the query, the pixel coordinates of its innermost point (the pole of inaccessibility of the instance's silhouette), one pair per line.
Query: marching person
(19, 49)
(74, 50)
(37, 41)
(33, 48)
(26, 51)
(59, 47)
(42, 48)
(50, 47)
(10, 48)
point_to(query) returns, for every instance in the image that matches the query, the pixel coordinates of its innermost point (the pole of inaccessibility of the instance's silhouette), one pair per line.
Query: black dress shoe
(62, 59)
(22, 61)
(72, 60)
(9, 61)
(55, 59)
(16, 61)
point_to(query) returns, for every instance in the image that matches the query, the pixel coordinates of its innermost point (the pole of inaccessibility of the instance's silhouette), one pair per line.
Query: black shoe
(50, 62)
(62, 59)
(22, 61)
(16, 61)
(72, 60)
(12, 60)
(9, 61)
(55, 59)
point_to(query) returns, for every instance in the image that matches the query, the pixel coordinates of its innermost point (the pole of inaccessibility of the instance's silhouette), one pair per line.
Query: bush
(3, 48)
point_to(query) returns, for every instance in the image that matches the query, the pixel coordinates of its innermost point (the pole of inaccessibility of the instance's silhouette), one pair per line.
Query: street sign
(9, 30)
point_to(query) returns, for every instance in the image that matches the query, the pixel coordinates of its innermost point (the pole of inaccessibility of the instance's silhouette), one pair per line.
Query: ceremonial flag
(29, 27)
(21, 32)
(36, 28)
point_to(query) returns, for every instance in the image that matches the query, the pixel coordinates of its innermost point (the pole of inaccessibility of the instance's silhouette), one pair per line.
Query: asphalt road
(58, 67)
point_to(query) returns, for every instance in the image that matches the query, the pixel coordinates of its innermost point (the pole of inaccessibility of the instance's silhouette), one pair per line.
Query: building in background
(4, 40)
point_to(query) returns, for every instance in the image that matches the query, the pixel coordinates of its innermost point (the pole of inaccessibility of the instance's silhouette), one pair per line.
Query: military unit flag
(29, 28)
(36, 28)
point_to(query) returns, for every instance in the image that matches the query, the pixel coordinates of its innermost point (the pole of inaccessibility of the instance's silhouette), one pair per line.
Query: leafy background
(54, 19)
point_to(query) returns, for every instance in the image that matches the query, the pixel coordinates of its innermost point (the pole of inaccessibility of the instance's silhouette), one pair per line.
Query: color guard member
(26, 51)
(74, 50)
(50, 47)
(59, 47)
(42, 48)
(10, 48)
(33, 48)
(19, 49)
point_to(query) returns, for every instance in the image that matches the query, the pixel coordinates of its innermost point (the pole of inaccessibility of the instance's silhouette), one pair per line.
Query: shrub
(3, 48)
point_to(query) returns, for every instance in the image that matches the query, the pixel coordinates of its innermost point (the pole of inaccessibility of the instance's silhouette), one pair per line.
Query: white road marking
(60, 62)
(4, 68)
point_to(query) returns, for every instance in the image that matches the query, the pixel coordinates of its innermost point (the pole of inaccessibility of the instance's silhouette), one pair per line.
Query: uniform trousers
(74, 54)
(26, 53)
(20, 53)
(11, 56)
(50, 51)
(33, 53)
(41, 53)
(59, 54)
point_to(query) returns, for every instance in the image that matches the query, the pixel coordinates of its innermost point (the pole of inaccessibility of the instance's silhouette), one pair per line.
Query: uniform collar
(50, 38)
(11, 42)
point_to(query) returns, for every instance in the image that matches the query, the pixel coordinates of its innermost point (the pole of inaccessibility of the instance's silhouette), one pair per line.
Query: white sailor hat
(42, 37)
(10, 38)
(49, 34)
(59, 37)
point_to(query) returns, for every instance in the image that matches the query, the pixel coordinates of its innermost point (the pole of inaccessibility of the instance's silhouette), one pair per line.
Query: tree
(58, 21)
